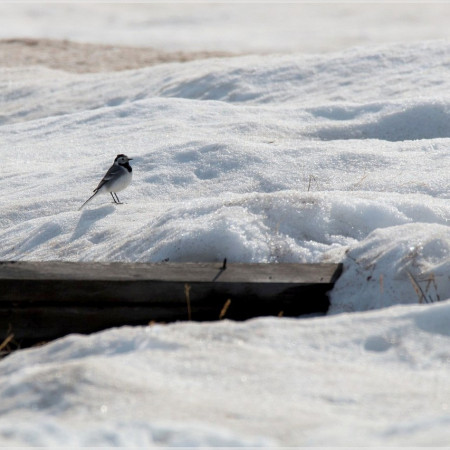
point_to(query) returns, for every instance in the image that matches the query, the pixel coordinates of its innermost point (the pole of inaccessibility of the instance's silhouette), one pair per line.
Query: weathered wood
(170, 272)
(44, 300)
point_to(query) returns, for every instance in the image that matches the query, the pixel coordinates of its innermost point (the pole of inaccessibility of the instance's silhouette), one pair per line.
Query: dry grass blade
(187, 289)
(224, 309)
(5, 343)
(312, 179)
(417, 288)
(432, 282)
(359, 182)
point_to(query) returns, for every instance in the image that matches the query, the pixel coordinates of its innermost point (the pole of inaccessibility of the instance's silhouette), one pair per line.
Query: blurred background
(231, 27)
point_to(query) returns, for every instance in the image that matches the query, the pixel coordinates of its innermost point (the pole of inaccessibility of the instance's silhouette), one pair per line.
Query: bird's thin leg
(117, 197)
(114, 198)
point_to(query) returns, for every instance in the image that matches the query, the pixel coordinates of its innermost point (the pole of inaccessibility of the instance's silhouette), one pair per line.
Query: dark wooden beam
(45, 300)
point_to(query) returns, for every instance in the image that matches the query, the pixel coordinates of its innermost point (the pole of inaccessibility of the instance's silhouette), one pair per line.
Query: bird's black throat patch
(127, 166)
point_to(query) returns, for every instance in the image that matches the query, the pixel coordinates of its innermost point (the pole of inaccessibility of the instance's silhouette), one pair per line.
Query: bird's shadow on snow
(88, 218)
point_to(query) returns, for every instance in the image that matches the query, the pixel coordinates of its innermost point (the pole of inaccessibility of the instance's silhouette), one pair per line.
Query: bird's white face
(122, 159)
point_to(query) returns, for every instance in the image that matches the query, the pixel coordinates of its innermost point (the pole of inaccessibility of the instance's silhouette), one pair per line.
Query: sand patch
(82, 58)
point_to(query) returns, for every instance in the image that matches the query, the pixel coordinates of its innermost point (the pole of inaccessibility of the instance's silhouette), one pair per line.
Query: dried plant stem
(224, 309)
(187, 289)
(5, 343)
(418, 289)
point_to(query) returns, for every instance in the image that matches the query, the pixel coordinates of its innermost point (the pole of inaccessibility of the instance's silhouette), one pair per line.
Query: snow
(351, 379)
(385, 262)
(291, 157)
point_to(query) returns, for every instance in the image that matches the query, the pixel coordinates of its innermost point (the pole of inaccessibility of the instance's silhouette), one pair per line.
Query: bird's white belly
(120, 183)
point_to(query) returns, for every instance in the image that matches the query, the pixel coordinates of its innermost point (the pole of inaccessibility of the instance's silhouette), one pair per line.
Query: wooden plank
(171, 272)
(44, 300)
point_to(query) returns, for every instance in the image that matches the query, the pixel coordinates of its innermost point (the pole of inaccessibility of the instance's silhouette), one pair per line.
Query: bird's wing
(112, 172)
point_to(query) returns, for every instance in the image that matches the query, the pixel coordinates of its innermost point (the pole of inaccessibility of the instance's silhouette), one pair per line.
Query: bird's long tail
(88, 200)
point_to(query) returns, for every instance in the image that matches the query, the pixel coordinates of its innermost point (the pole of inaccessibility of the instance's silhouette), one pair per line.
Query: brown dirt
(83, 58)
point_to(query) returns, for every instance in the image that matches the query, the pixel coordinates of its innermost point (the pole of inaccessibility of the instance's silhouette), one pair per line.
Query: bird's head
(122, 159)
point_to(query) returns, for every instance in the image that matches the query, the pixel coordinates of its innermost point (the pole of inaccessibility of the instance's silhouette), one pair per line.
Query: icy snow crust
(287, 158)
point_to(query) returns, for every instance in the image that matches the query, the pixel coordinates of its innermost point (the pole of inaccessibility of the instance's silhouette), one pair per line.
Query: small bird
(116, 179)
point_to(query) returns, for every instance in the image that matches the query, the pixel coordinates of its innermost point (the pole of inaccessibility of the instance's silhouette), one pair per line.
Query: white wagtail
(116, 179)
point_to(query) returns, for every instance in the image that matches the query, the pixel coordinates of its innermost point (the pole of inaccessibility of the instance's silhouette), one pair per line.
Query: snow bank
(393, 266)
(354, 94)
(378, 378)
